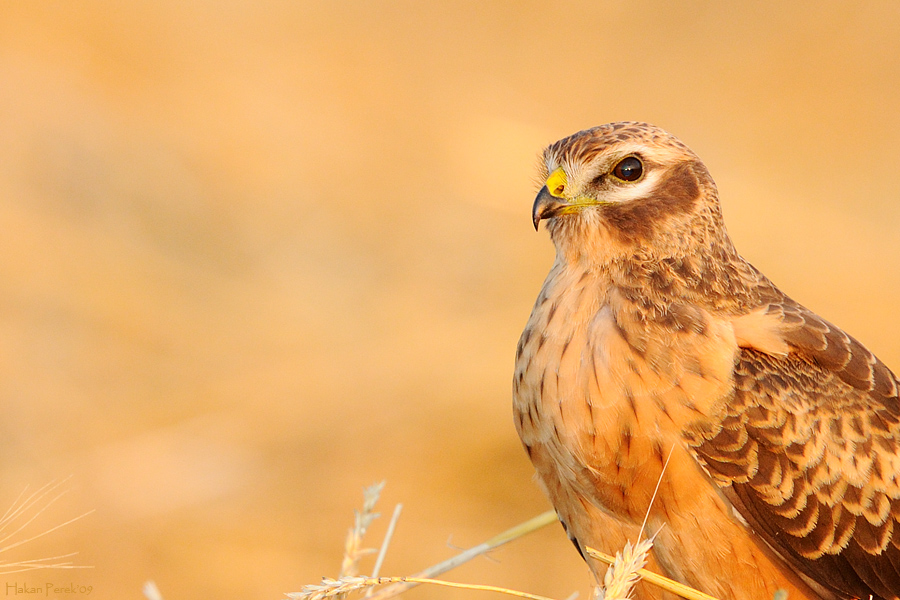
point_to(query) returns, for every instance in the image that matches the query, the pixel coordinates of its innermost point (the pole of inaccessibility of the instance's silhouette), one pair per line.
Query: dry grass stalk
(656, 579)
(387, 540)
(349, 583)
(624, 572)
(509, 535)
(353, 549)
(151, 592)
(17, 519)
(333, 588)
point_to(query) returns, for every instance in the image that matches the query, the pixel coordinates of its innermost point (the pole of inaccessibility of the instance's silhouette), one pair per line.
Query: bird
(662, 382)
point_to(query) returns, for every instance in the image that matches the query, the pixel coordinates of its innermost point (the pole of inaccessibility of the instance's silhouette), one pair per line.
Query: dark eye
(629, 169)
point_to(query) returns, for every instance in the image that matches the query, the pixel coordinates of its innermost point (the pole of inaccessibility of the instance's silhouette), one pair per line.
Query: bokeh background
(255, 256)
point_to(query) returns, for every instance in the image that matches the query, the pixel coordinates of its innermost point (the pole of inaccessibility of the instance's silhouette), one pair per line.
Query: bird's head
(623, 186)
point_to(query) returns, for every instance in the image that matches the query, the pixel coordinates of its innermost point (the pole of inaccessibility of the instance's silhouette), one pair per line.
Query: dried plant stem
(353, 549)
(17, 510)
(387, 540)
(518, 531)
(332, 588)
(16, 520)
(656, 579)
(624, 572)
(151, 592)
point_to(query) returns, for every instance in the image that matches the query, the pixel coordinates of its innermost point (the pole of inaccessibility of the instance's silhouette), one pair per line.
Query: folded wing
(808, 452)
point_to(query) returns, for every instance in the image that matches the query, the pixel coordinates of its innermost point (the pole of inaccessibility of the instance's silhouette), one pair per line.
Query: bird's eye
(629, 169)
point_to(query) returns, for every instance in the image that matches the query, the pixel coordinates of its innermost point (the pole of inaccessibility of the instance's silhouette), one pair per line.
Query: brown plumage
(653, 336)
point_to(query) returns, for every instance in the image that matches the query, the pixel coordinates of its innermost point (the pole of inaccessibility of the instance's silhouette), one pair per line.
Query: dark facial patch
(635, 221)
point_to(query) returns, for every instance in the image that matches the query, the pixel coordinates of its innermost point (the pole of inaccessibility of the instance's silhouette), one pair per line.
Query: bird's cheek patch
(680, 189)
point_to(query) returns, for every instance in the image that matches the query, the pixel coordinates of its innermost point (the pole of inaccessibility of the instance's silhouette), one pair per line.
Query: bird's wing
(809, 454)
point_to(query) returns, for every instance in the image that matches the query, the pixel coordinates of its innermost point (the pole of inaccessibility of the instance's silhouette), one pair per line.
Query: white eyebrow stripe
(640, 189)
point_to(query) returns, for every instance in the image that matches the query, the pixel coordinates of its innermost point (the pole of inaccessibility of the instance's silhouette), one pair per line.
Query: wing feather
(807, 452)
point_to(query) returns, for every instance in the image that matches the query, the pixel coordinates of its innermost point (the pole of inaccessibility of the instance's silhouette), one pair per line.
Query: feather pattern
(821, 426)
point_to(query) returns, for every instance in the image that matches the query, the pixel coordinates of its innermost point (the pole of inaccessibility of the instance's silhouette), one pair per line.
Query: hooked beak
(546, 206)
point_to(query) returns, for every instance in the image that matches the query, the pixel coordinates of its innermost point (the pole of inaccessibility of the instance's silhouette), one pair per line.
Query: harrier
(652, 339)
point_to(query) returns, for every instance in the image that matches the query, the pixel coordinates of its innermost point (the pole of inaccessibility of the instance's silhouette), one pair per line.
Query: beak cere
(546, 206)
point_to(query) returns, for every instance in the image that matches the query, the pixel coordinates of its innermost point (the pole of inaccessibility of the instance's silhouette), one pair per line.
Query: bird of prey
(652, 338)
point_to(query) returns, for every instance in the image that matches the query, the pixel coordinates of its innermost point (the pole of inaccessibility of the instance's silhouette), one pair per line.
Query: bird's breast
(604, 389)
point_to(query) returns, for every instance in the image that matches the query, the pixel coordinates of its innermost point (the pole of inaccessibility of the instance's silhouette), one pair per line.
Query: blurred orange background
(257, 256)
